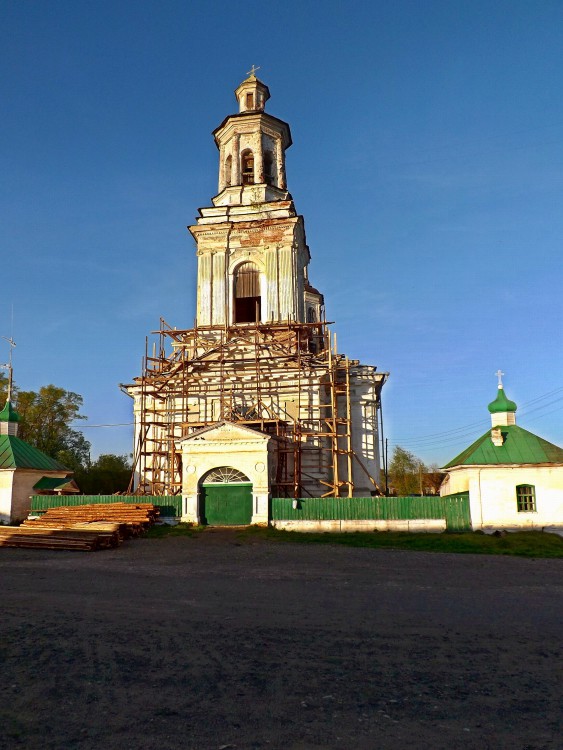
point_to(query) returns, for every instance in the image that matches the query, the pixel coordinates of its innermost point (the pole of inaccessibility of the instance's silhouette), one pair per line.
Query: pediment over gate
(225, 432)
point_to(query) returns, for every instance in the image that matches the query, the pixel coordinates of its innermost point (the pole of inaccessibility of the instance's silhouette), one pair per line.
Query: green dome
(9, 414)
(501, 403)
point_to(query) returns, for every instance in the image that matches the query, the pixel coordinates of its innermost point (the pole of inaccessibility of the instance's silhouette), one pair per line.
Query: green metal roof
(51, 483)
(519, 447)
(17, 454)
(501, 403)
(9, 414)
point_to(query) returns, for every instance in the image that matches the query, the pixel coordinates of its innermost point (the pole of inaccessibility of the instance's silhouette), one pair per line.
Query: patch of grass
(522, 543)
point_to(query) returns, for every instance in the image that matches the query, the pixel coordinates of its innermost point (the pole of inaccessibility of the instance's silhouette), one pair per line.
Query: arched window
(247, 159)
(268, 168)
(228, 170)
(247, 294)
(225, 475)
(311, 315)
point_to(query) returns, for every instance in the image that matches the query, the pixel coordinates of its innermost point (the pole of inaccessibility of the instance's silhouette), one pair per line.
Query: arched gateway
(225, 498)
(225, 475)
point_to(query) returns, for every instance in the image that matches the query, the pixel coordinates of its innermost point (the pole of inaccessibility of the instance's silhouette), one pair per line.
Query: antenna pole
(9, 367)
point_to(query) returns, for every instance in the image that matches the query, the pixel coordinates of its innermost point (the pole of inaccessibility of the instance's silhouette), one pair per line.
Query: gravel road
(217, 642)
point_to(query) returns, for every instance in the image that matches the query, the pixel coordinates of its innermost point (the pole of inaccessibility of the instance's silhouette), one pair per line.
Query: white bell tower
(251, 245)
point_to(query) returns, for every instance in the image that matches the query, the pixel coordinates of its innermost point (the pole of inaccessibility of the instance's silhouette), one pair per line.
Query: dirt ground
(213, 642)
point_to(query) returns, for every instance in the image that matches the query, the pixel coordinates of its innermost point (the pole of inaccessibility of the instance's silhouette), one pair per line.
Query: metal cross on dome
(252, 71)
(499, 375)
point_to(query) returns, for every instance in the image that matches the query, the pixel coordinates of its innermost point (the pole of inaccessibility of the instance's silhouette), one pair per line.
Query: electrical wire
(454, 436)
(116, 424)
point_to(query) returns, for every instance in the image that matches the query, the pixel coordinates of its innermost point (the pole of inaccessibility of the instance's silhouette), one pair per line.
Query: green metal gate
(226, 504)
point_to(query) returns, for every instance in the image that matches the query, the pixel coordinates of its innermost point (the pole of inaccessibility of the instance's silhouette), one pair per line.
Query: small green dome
(501, 403)
(9, 414)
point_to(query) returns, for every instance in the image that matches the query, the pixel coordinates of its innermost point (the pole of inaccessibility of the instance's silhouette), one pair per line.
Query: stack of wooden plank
(78, 538)
(81, 527)
(133, 518)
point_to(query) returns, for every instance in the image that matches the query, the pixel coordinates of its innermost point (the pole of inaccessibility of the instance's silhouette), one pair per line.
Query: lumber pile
(79, 538)
(133, 518)
(81, 527)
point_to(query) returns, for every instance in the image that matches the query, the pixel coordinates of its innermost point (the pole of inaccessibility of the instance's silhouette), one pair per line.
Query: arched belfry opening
(247, 299)
(247, 167)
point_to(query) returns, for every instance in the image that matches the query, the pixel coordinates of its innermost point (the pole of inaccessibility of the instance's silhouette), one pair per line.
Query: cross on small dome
(502, 405)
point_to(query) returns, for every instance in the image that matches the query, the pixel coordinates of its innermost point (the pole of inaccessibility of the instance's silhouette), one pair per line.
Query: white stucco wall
(365, 428)
(492, 495)
(277, 246)
(428, 525)
(16, 487)
(6, 479)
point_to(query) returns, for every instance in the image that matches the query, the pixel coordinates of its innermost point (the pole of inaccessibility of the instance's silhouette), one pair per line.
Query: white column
(280, 165)
(270, 313)
(260, 506)
(258, 159)
(204, 290)
(236, 179)
(190, 509)
(218, 289)
(221, 167)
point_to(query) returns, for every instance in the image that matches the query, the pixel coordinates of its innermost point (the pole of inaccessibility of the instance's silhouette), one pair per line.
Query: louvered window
(247, 294)
(247, 281)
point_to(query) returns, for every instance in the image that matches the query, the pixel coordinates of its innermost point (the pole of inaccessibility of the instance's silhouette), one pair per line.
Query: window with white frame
(526, 498)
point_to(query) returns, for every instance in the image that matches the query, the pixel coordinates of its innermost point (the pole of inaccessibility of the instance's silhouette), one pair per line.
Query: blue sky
(427, 161)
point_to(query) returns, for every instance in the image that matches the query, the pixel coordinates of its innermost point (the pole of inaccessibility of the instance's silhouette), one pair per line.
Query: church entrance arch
(225, 498)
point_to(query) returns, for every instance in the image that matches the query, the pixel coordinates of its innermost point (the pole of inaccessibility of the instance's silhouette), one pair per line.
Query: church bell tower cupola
(252, 94)
(252, 146)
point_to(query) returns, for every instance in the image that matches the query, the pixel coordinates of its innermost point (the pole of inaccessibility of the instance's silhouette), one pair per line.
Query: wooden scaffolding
(245, 374)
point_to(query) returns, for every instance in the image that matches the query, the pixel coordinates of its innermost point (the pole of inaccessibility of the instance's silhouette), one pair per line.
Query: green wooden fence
(169, 505)
(453, 508)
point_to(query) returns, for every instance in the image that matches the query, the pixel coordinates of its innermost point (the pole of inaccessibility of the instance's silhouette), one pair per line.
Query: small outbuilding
(25, 470)
(514, 478)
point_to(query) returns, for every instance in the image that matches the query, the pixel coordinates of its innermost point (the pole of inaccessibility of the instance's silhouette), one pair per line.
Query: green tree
(105, 476)
(433, 479)
(3, 389)
(45, 422)
(405, 471)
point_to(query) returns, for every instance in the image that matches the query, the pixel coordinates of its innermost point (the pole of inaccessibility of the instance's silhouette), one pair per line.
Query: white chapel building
(255, 401)
(514, 478)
